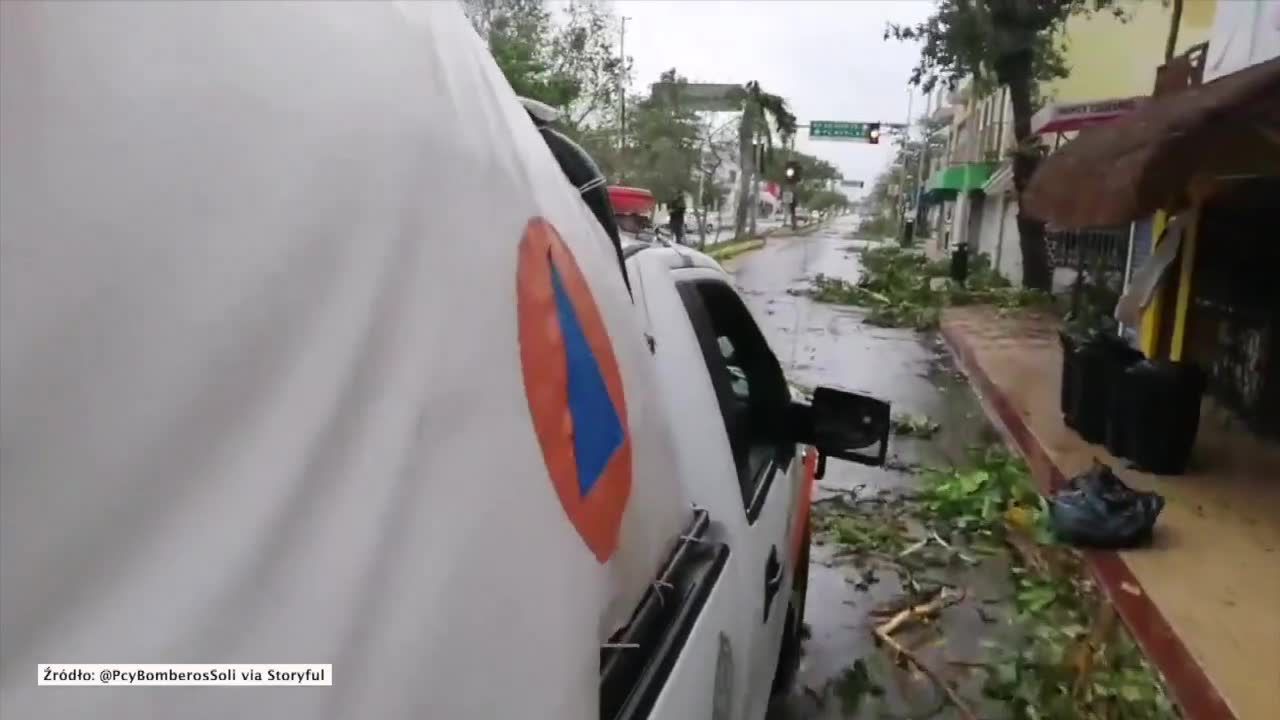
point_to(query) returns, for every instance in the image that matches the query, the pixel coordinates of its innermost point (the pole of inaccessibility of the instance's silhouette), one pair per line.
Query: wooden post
(1151, 318)
(1199, 191)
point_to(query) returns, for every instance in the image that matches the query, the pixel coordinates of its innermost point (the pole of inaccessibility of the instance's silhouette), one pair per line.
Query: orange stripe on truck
(806, 498)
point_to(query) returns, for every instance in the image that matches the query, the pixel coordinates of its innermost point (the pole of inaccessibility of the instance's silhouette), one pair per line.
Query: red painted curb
(1194, 693)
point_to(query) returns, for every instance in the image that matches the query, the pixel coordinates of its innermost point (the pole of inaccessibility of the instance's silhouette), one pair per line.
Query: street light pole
(924, 149)
(622, 86)
(902, 173)
(701, 212)
(791, 205)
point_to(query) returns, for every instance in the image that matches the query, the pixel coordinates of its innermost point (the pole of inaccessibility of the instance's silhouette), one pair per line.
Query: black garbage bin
(1119, 430)
(1097, 365)
(1065, 396)
(1088, 400)
(1165, 414)
(960, 263)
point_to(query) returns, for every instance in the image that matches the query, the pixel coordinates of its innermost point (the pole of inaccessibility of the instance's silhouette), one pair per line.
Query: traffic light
(792, 172)
(873, 133)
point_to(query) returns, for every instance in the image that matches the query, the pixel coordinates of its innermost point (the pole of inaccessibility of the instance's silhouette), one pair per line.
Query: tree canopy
(662, 148)
(826, 202)
(987, 38)
(1014, 43)
(814, 174)
(570, 62)
(567, 56)
(811, 168)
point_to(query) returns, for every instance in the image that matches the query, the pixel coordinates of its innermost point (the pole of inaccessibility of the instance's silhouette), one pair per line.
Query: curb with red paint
(1194, 693)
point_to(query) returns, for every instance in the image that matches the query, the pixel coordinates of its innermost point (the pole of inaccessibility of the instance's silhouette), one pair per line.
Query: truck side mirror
(840, 423)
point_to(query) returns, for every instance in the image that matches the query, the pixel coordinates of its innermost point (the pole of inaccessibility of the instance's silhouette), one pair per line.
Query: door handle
(773, 575)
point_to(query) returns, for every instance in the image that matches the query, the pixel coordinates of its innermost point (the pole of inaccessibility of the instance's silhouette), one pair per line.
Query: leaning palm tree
(758, 108)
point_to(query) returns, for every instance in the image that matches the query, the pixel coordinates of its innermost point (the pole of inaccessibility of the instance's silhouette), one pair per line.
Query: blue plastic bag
(1096, 509)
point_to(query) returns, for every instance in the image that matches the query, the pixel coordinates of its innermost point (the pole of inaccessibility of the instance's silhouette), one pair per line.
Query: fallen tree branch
(943, 598)
(913, 547)
(884, 634)
(897, 605)
(952, 695)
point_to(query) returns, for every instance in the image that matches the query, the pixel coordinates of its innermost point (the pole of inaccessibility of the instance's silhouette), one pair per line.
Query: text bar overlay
(133, 674)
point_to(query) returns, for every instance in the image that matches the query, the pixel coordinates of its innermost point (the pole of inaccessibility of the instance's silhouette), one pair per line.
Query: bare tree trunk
(1174, 23)
(1036, 273)
(755, 199)
(746, 169)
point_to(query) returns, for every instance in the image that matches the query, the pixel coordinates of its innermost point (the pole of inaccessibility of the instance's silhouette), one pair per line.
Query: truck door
(753, 395)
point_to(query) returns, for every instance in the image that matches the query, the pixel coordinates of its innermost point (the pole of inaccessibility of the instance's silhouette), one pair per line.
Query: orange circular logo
(574, 388)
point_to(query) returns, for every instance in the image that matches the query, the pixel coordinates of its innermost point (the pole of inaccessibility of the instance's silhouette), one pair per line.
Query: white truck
(265, 403)
(748, 449)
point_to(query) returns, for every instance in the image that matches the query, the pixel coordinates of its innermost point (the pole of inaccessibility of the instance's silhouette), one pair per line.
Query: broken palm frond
(884, 636)
(903, 288)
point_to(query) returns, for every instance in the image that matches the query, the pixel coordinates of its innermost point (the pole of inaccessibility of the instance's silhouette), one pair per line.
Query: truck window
(749, 384)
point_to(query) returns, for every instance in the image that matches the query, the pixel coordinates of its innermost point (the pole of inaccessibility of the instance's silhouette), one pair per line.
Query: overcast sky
(827, 57)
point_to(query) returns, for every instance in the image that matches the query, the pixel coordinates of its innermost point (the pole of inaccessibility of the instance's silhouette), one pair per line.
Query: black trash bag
(1096, 509)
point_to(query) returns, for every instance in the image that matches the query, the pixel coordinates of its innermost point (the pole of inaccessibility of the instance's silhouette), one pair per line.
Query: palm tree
(758, 108)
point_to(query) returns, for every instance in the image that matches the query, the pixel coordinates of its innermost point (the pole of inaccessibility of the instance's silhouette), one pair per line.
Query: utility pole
(902, 172)
(791, 205)
(924, 150)
(622, 87)
(701, 212)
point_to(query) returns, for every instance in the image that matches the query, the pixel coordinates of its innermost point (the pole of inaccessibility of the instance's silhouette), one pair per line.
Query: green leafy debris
(1063, 655)
(903, 288)
(979, 499)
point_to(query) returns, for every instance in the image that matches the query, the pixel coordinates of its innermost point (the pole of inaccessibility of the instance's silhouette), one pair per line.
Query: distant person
(676, 220)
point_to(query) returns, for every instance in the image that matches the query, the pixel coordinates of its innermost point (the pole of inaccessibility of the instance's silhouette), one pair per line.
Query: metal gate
(1235, 313)
(1103, 248)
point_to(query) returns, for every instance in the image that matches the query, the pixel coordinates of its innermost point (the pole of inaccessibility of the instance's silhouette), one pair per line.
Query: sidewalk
(1204, 599)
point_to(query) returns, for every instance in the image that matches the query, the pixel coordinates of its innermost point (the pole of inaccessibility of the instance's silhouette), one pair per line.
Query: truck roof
(676, 256)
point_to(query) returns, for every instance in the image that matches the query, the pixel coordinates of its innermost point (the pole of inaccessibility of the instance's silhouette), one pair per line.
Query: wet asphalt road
(820, 344)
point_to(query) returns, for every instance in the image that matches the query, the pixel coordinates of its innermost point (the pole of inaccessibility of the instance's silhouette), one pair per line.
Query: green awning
(966, 177)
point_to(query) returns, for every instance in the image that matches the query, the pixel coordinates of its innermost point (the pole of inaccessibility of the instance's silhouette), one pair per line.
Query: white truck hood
(261, 361)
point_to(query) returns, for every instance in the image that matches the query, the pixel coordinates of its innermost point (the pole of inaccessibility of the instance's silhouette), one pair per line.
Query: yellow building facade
(1112, 57)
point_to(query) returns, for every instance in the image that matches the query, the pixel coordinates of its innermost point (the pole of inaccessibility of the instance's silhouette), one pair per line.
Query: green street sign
(838, 130)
